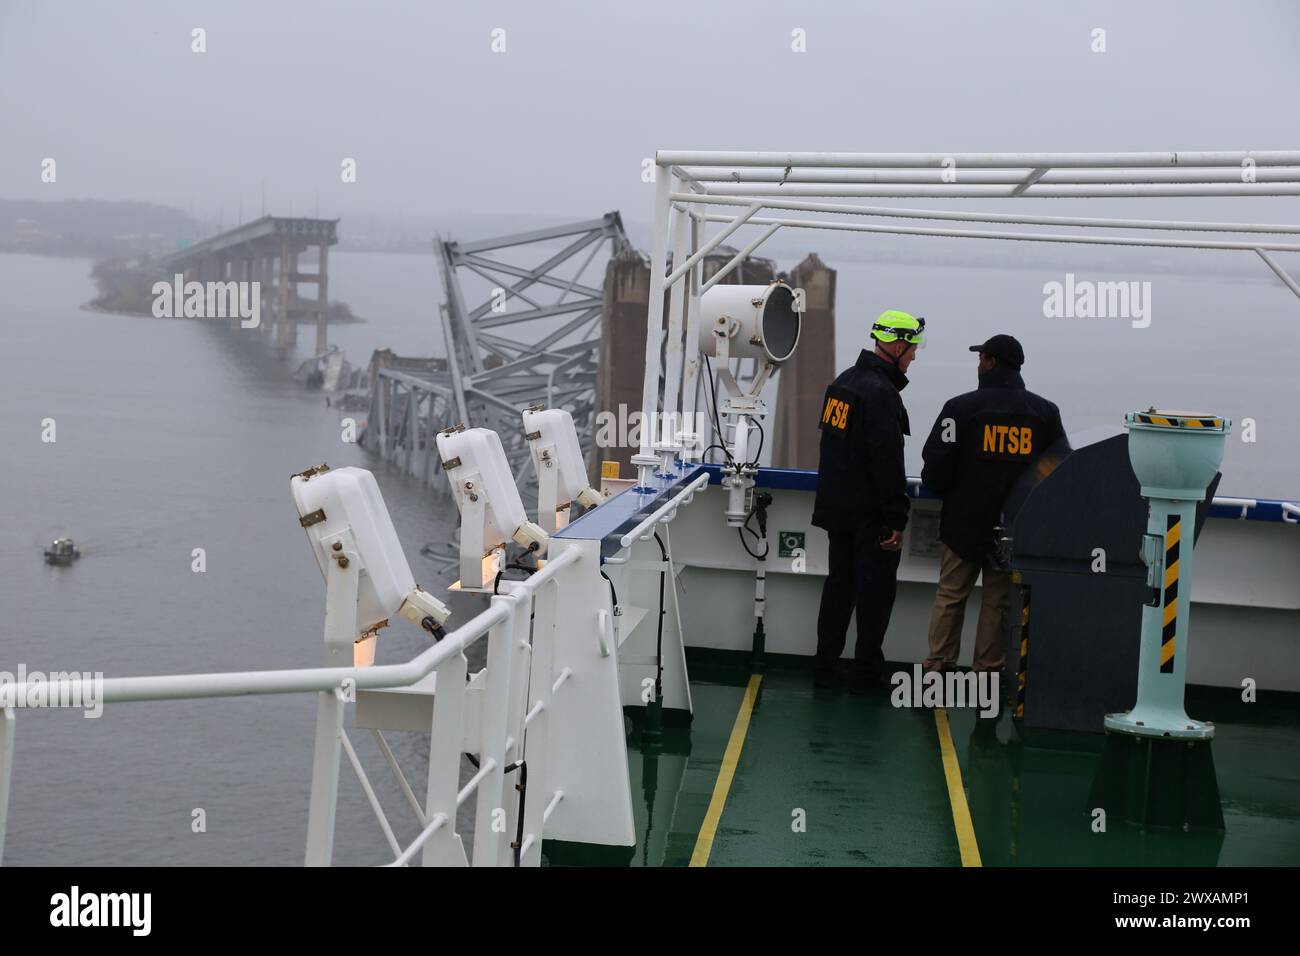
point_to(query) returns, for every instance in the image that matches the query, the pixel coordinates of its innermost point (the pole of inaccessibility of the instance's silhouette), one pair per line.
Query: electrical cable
(659, 637)
(612, 592)
(762, 435)
(522, 787)
(712, 392)
(717, 424)
(706, 451)
(745, 544)
(496, 582)
(759, 510)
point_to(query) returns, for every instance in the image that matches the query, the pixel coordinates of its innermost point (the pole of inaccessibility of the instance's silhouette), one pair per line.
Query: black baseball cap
(1005, 349)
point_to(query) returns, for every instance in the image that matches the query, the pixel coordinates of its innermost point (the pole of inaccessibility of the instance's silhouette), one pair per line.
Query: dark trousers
(863, 578)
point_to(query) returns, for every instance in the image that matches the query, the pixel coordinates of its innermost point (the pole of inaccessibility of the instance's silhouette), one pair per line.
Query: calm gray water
(178, 435)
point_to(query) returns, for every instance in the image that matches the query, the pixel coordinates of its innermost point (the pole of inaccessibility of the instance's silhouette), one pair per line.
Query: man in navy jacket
(979, 445)
(862, 499)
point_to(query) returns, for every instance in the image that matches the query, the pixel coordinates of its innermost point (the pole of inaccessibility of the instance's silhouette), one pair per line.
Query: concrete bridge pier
(267, 251)
(283, 321)
(322, 299)
(266, 276)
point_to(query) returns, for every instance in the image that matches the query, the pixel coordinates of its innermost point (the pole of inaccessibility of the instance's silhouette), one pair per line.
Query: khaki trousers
(956, 581)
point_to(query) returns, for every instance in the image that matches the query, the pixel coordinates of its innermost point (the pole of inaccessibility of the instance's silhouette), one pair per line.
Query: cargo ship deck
(772, 772)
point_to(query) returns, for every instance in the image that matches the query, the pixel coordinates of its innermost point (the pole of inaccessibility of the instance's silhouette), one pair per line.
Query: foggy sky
(559, 123)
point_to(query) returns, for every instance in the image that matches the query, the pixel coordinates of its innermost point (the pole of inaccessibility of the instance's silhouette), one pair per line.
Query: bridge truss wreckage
(531, 337)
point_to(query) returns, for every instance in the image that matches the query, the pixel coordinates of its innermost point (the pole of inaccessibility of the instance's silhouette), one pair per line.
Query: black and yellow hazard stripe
(1019, 712)
(1180, 422)
(1173, 535)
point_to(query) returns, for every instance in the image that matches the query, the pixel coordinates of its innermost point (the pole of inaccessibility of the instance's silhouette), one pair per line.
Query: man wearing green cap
(862, 500)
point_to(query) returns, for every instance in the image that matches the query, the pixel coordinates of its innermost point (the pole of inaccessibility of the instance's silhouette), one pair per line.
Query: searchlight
(367, 579)
(760, 322)
(561, 471)
(491, 511)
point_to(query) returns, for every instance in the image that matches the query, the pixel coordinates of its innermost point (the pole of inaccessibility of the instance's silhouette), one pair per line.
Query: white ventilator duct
(367, 579)
(491, 511)
(761, 322)
(561, 470)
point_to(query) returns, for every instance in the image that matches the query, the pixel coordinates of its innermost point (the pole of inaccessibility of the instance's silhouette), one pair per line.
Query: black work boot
(861, 685)
(826, 678)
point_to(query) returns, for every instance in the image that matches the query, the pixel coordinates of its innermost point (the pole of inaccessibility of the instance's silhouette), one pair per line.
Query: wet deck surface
(824, 778)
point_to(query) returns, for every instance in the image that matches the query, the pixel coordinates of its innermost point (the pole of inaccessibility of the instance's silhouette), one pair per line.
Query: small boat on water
(62, 551)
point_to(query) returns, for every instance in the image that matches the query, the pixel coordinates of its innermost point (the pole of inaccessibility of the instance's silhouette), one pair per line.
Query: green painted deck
(828, 779)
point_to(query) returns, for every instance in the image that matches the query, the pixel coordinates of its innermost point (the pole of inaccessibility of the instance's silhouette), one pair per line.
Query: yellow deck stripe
(961, 821)
(704, 842)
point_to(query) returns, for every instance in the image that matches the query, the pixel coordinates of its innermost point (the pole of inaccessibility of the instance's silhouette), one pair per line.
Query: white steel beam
(1280, 272)
(897, 212)
(733, 224)
(959, 190)
(1020, 236)
(739, 257)
(669, 157)
(1005, 177)
(673, 352)
(645, 459)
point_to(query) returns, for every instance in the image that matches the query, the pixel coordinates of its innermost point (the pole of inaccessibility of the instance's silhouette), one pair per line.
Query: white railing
(514, 655)
(665, 512)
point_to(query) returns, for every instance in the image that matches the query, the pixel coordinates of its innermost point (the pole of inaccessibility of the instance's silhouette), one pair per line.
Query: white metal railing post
(7, 723)
(645, 459)
(493, 729)
(521, 653)
(692, 437)
(537, 742)
(341, 581)
(444, 847)
(324, 778)
(669, 428)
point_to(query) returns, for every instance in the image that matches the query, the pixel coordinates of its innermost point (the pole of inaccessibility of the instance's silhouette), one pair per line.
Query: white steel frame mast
(694, 189)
